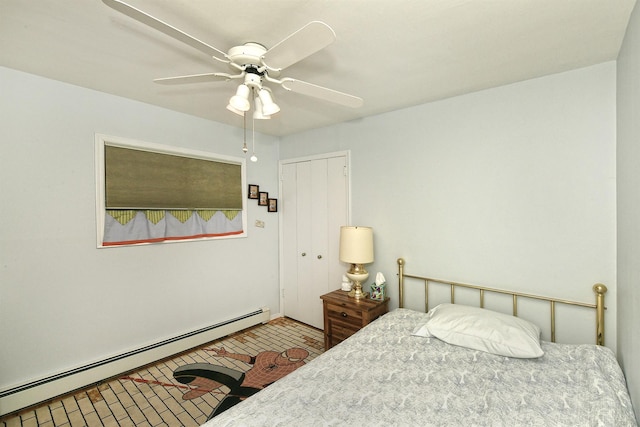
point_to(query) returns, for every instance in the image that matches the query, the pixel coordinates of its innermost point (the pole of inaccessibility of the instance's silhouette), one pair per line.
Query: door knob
(304, 254)
(319, 256)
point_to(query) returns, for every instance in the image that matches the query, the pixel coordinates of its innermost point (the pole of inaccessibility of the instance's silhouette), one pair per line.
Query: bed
(399, 371)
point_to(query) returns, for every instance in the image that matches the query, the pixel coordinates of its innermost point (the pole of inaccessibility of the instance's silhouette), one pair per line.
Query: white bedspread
(383, 376)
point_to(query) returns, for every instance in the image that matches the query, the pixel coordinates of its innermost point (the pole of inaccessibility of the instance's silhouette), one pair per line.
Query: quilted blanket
(384, 376)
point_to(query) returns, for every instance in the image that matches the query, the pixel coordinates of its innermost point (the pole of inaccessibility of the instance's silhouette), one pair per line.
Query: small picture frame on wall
(253, 191)
(273, 205)
(263, 198)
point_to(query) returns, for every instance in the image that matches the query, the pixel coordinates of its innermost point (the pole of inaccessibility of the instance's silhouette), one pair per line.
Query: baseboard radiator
(34, 392)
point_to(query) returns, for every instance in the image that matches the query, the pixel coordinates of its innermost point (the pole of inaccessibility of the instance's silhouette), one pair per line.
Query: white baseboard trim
(34, 392)
(275, 316)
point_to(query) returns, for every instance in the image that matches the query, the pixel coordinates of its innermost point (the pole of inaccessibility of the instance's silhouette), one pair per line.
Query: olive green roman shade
(139, 179)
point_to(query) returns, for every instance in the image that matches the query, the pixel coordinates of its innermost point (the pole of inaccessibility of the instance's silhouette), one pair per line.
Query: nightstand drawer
(341, 332)
(346, 314)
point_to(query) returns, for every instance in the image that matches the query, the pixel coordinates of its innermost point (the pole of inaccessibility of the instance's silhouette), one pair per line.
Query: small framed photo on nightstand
(263, 199)
(273, 205)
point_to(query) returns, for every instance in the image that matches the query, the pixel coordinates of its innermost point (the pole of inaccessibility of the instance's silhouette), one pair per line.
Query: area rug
(234, 368)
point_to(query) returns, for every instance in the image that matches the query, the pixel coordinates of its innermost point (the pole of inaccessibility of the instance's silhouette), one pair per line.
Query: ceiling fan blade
(320, 92)
(196, 78)
(163, 27)
(307, 40)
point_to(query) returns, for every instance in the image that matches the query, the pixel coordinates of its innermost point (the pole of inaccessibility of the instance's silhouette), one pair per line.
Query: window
(151, 193)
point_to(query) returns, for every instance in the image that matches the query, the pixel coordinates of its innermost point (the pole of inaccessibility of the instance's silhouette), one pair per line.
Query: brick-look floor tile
(118, 411)
(152, 416)
(209, 400)
(70, 404)
(102, 409)
(59, 416)
(174, 405)
(126, 403)
(13, 422)
(162, 392)
(126, 423)
(125, 399)
(157, 404)
(76, 418)
(85, 406)
(136, 415)
(110, 421)
(93, 420)
(94, 395)
(169, 418)
(109, 396)
(186, 420)
(192, 408)
(30, 422)
(43, 415)
(116, 386)
(129, 386)
(141, 401)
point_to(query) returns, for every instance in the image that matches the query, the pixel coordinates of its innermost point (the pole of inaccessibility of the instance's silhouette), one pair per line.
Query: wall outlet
(259, 223)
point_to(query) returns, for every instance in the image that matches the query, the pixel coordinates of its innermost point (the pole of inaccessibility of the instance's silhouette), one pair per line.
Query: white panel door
(314, 206)
(304, 266)
(289, 252)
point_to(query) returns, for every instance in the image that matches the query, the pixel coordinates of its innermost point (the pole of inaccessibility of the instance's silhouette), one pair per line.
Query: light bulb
(254, 158)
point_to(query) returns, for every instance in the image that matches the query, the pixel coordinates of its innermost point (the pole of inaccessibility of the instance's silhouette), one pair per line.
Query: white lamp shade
(234, 110)
(268, 106)
(270, 109)
(257, 112)
(240, 101)
(356, 245)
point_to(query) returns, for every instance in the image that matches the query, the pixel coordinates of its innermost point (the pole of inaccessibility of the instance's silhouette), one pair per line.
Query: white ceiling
(391, 53)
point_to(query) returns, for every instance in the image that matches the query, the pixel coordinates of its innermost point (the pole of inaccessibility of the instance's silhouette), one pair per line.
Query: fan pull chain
(244, 127)
(254, 158)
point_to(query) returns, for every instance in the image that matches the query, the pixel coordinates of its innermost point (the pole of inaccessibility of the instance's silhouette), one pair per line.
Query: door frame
(281, 162)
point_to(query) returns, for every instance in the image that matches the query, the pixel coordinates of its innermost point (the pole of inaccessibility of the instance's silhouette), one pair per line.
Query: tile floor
(152, 397)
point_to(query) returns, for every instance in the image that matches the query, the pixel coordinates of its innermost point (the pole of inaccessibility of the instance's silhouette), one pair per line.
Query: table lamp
(356, 248)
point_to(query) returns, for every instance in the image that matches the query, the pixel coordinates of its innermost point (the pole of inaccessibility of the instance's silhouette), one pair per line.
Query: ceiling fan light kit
(240, 101)
(262, 100)
(268, 106)
(254, 63)
(257, 112)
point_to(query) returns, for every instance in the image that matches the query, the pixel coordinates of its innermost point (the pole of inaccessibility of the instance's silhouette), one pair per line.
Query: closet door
(314, 206)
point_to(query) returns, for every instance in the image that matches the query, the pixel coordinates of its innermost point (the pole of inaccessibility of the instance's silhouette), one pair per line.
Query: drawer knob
(343, 314)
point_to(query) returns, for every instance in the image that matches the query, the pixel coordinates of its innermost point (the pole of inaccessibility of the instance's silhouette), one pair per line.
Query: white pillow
(482, 329)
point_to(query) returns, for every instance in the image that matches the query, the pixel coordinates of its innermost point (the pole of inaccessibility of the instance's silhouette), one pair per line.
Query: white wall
(629, 207)
(508, 187)
(63, 302)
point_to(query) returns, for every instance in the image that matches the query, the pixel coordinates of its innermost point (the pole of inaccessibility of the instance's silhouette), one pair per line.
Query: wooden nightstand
(344, 315)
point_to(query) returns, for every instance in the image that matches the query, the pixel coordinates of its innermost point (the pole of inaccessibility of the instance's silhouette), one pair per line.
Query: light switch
(259, 223)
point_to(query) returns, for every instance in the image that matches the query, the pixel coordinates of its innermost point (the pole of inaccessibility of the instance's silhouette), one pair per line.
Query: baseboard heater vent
(34, 392)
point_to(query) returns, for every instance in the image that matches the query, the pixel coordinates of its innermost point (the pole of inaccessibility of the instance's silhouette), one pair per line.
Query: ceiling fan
(254, 64)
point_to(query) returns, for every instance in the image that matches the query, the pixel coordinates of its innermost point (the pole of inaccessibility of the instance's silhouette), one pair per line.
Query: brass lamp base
(356, 292)
(357, 274)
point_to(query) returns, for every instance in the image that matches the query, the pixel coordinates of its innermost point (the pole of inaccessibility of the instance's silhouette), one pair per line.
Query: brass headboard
(599, 290)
